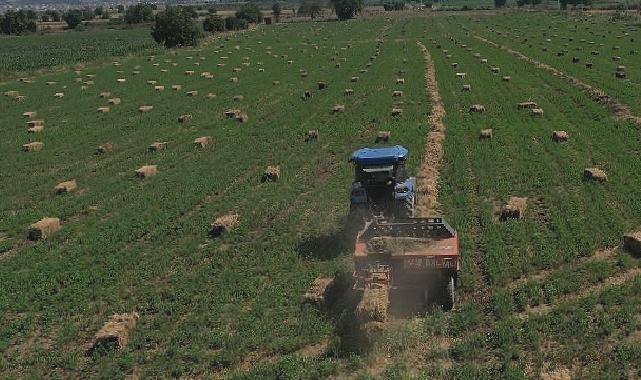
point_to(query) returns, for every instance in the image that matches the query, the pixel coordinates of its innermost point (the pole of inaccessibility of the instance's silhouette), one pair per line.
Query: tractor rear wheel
(447, 301)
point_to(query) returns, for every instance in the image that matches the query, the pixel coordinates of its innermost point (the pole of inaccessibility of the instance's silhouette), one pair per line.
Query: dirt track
(429, 172)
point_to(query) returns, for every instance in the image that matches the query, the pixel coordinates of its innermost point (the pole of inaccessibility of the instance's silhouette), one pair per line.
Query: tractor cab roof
(380, 156)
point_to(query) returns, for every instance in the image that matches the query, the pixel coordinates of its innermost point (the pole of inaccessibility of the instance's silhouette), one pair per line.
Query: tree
(175, 27)
(309, 8)
(72, 18)
(19, 22)
(276, 11)
(347, 9)
(235, 23)
(250, 12)
(499, 3)
(139, 13)
(214, 24)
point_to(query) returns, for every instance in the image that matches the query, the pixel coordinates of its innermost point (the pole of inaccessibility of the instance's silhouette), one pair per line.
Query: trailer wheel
(447, 302)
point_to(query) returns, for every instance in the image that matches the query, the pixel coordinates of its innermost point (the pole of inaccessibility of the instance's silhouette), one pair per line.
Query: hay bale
(184, 118)
(307, 94)
(620, 75)
(594, 174)
(103, 109)
(121, 80)
(275, 83)
(514, 209)
(35, 123)
(397, 94)
(506, 78)
(312, 135)
(59, 95)
(242, 118)
(238, 98)
(211, 95)
(559, 136)
(232, 113)
(203, 142)
(322, 85)
(50, 83)
(527, 105)
(304, 74)
(461, 75)
(20, 98)
(484, 60)
(36, 129)
(114, 334)
(151, 82)
(205, 74)
(454, 65)
(43, 229)
(192, 93)
(146, 171)
(317, 293)
(11, 94)
(467, 87)
(338, 108)
(159, 88)
(477, 108)
(397, 111)
(354, 79)
(233, 80)
(105, 148)
(157, 146)
(176, 87)
(383, 136)
(30, 114)
(144, 109)
(632, 243)
(66, 187)
(189, 73)
(224, 224)
(114, 101)
(620, 68)
(35, 146)
(486, 134)
(105, 94)
(373, 306)
(589, 65)
(348, 92)
(400, 80)
(271, 174)
(537, 112)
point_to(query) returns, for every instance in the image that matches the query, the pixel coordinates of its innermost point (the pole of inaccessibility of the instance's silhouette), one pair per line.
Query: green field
(552, 293)
(28, 53)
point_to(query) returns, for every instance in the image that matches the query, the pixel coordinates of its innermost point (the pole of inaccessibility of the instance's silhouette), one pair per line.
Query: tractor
(398, 257)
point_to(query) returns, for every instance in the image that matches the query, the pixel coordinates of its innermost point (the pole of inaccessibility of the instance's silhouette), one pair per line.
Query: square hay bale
(224, 224)
(159, 88)
(477, 108)
(467, 87)
(338, 108)
(36, 129)
(192, 93)
(506, 78)
(233, 80)
(238, 98)
(559, 136)
(486, 134)
(397, 111)
(146, 171)
(157, 146)
(348, 92)
(527, 105)
(261, 70)
(383, 136)
(354, 79)
(203, 142)
(30, 114)
(271, 174)
(186, 118)
(373, 306)
(114, 334)
(59, 95)
(312, 135)
(105, 94)
(594, 174)
(176, 87)
(43, 229)
(322, 85)
(189, 72)
(144, 109)
(103, 109)
(35, 146)
(537, 112)
(66, 187)
(397, 94)
(275, 83)
(114, 101)
(484, 60)
(121, 80)
(632, 243)
(105, 148)
(242, 118)
(318, 291)
(461, 75)
(514, 209)
(232, 113)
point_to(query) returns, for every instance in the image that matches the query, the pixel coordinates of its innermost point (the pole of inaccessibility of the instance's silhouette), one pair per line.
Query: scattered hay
(397, 94)
(527, 105)
(537, 112)
(514, 209)
(397, 111)
(35, 146)
(595, 174)
(271, 174)
(105, 148)
(103, 109)
(105, 94)
(144, 109)
(312, 135)
(373, 306)
(114, 334)
(157, 146)
(383, 136)
(317, 293)
(43, 229)
(348, 92)
(203, 142)
(59, 95)
(224, 224)
(559, 136)
(66, 187)
(338, 108)
(477, 108)
(192, 93)
(184, 118)
(486, 134)
(146, 171)
(632, 243)
(176, 87)
(114, 101)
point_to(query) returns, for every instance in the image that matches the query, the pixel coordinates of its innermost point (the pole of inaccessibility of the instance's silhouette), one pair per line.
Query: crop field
(27, 53)
(550, 295)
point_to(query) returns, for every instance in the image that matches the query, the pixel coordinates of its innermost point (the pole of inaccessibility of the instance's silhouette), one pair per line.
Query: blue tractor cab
(381, 185)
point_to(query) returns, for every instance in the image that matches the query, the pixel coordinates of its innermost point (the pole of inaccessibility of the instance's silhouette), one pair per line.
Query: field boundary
(431, 163)
(621, 110)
